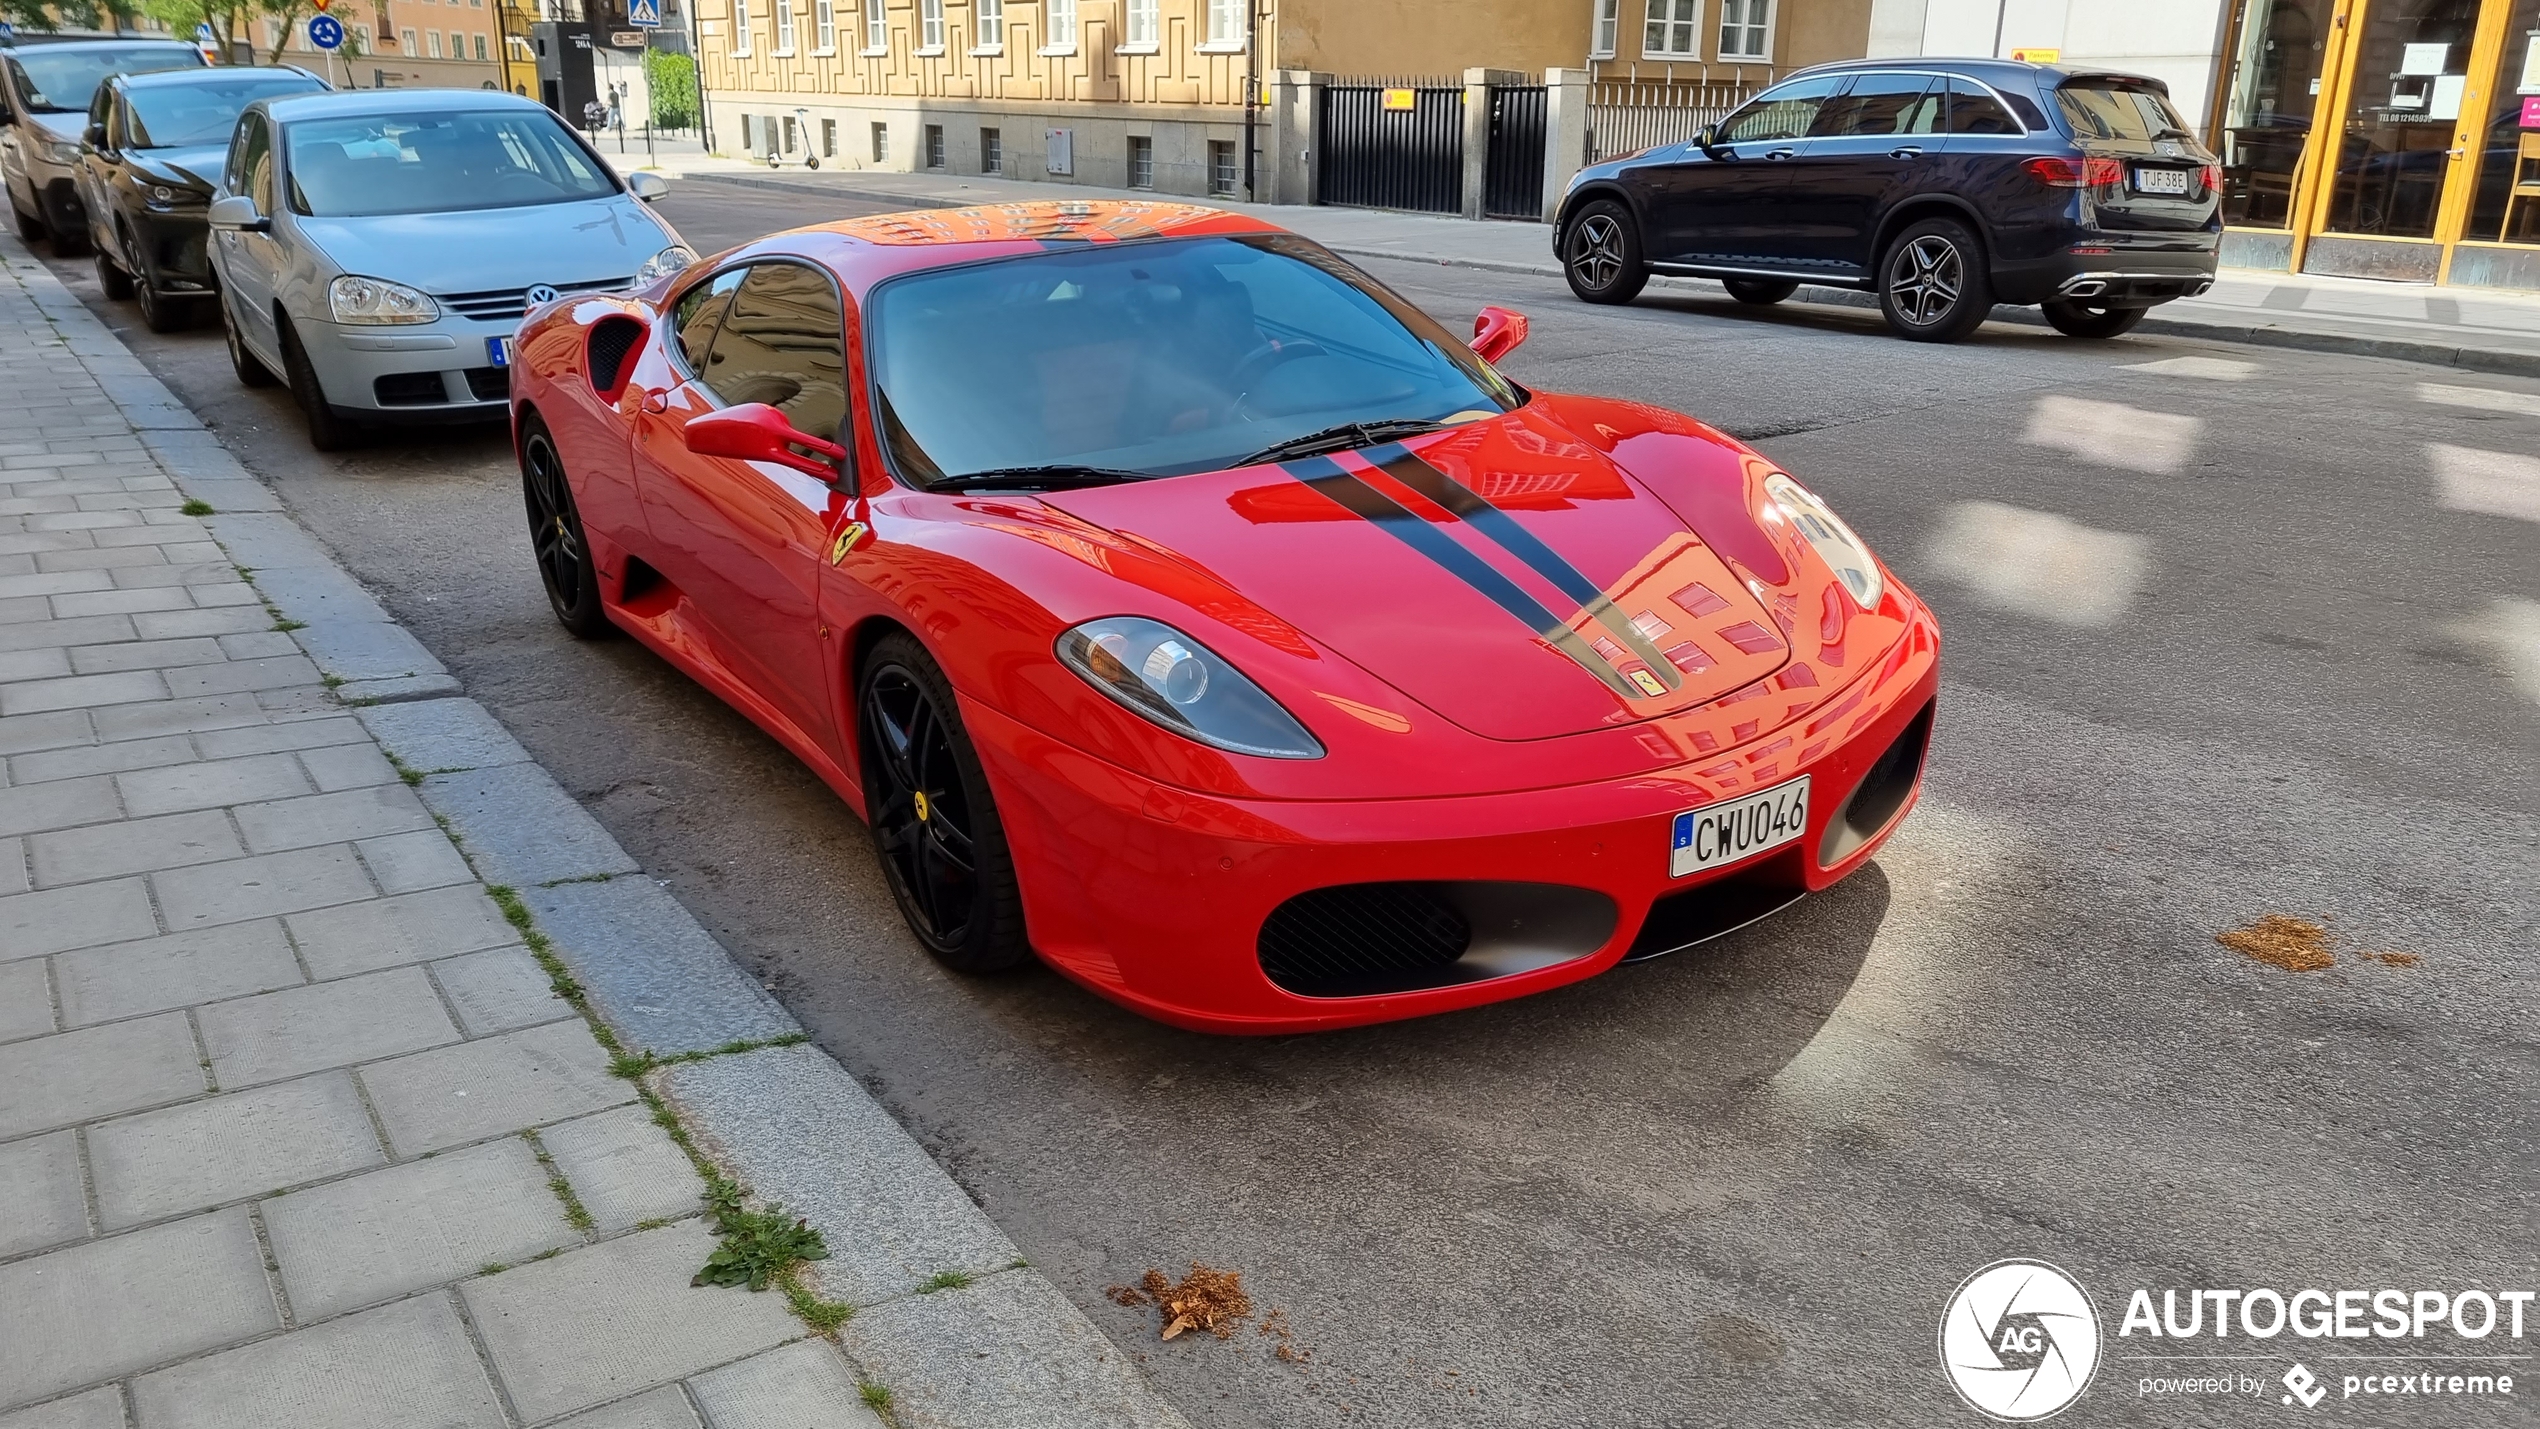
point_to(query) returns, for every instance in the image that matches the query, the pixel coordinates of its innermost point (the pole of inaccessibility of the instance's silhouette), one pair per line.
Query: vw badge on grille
(540, 293)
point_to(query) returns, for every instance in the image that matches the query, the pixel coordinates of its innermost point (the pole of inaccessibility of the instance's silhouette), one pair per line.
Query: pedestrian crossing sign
(644, 14)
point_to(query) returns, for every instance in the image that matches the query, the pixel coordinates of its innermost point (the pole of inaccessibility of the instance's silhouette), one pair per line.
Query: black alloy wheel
(1762, 292)
(1601, 254)
(161, 313)
(1933, 286)
(250, 368)
(563, 552)
(2074, 319)
(935, 824)
(327, 431)
(31, 227)
(116, 283)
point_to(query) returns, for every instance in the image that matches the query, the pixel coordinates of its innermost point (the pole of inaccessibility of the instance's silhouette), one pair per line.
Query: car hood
(490, 249)
(1508, 575)
(62, 126)
(197, 166)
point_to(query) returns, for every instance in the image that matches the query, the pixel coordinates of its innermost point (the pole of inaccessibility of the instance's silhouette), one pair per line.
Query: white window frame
(877, 29)
(740, 27)
(1225, 27)
(1683, 22)
(1142, 27)
(432, 42)
(930, 27)
(1763, 31)
(1605, 29)
(990, 15)
(784, 27)
(483, 53)
(1058, 21)
(406, 43)
(824, 27)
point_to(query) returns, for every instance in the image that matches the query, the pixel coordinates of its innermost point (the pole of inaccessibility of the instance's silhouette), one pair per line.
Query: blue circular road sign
(325, 31)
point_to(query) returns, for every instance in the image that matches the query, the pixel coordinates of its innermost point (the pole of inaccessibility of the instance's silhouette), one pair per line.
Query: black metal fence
(1512, 170)
(1377, 151)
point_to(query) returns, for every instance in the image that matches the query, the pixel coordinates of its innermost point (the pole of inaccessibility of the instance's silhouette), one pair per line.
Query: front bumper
(169, 251)
(1156, 897)
(428, 372)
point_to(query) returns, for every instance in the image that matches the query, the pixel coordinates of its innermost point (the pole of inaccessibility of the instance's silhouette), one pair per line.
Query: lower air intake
(1362, 938)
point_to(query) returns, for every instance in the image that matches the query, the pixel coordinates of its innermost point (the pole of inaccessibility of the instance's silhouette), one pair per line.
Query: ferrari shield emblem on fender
(850, 537)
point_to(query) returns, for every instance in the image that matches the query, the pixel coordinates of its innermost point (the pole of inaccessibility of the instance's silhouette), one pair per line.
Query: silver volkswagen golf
(376, 249)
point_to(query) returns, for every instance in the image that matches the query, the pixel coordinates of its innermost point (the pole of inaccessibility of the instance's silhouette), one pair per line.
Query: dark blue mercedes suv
(1943, 186)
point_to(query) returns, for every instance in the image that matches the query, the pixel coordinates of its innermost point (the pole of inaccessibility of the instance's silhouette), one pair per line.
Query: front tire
(934, 821)
(31, 227)
(1762, 292)
(327, 431)
(1933, 286)
(116, 283)
(2074, 319)
(556, 539)
(161, 314)
(69, 242)
(1601, 254)
(250, 368)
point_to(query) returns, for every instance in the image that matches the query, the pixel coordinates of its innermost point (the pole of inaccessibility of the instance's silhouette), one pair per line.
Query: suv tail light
(2212, 177)
(2062, 173)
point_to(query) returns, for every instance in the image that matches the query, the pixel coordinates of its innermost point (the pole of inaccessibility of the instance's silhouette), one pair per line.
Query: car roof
(99, 42)
(357, 102)
(155, 78)
(1981, 67)
(1045, 221)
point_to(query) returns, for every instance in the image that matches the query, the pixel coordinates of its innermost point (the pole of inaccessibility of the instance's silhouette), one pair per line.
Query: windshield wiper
(1345, 437)
(1053, 477)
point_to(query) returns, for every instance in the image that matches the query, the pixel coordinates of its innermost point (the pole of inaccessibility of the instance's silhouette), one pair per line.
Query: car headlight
(1167, 677)
(61, 151)
(668, 261)
(1826, 534)
(373, 301)
(163, 198)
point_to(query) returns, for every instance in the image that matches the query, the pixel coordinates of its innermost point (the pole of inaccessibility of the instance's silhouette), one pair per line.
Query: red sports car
(1178, 604)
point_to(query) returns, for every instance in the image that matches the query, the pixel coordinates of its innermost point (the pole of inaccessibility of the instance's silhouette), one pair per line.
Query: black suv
(1943, 186)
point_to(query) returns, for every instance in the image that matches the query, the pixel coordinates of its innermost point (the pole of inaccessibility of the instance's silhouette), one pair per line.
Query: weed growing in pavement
(944, 1280)
(577, 878)
(195, 506)
(492, 1267)
(332, 682)
(652, 1223)
(631, 1066)
(575, 1213)
(759, 1247)
(285, 627)
(824, 1316)
(876, 1397)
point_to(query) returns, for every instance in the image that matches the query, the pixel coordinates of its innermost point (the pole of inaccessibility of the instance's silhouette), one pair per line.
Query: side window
(784, 343)
(251, 162)
(1878, 105)
(694, 319)
(98, 109)
(1785, 112)
(1974, 111)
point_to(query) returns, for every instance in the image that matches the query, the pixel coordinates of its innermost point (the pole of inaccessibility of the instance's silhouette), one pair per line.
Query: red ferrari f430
(1179, 605)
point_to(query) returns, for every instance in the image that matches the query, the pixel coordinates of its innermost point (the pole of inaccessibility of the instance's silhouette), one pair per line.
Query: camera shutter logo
(540, 293)
(2019, 1341)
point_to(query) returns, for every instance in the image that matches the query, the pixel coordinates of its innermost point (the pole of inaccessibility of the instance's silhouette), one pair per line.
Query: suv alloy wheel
(1601, 254)
(1932, 284)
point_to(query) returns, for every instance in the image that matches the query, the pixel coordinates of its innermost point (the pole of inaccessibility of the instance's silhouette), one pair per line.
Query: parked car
(1943, 186)
(1180, 605)
(376, 249)
(47, 91)
(149, 162)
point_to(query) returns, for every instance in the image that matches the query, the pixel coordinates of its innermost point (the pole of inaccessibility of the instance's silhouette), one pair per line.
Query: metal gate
(1391, 148)
(1512, 171)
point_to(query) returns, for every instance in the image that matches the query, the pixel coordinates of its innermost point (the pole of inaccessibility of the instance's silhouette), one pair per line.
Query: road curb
(1024, 1356)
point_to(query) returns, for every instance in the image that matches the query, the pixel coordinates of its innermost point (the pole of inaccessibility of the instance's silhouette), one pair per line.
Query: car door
(250, 264)
(94, 177)
(1724, 208)
(1866, 151)
(747, 541)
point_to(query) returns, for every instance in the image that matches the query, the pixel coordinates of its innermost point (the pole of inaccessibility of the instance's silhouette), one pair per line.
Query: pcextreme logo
(2019, 1340)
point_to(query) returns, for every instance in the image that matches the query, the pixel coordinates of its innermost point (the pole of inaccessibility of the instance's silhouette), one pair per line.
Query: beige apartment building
(396, 44)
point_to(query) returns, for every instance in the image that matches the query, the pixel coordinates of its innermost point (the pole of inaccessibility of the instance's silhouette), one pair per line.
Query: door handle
(1907, 151)
(1780, 153)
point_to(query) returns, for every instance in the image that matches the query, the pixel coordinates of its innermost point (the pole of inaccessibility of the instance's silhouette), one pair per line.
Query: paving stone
(362, 650)
(82, 691)
(133, 846)
(386, 1233)
(498, 990)
(348, 766)
(399, 690)
(97, 1409)
(522, 828)
(127, 979)
(803, 1385)
(792, 1125)
(173, 716)
(238, 674)
(661, 980)
(236, 1144)
(599, 1323)
(104, 1309)
(53, 583)
(102, 759)
(402, 1366)
(327, 1024)
(26, 1000)
(51, 730)
(18, 665)
(174, 624)
(146, 655)
(69, 1077)
(478, 1089)
(269, 738)
(14, 877)
(410, 863)
(1009, 1352)
(387, 932)
(65, 803)
(191, 574)
(88, 630)
(260, 887)
(443, 734)
(663, 1408)
(257, 644)
(625, 1169)
(41, 1203)
(332, 818)
(228, 593)
(212, 784)
(96, 603)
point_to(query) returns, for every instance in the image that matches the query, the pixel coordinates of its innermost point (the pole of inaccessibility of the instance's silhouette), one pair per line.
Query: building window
(828, 138)
(435, 38)
(824, 25)
(1226, 22)
(740, 27)
(480, 47)
(1143, 24)
(749, 141)
(991, 151)
(1674, 28)
(881, 143)
(1746, 29)
(1223, 176)
(930, 26)
(1060, 18)
(991, 25)
(934, 146)
(789, 133)
(1141, 162)
(406, 42)
(458, 45)
(1609, 21)
(784, 26)
(877, 30)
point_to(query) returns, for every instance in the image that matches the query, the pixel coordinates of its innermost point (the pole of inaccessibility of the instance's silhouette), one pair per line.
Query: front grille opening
(489, 384)
(409, 389)
(1710, 910)
(612, 343)
(1881, 792)
(1368, 939)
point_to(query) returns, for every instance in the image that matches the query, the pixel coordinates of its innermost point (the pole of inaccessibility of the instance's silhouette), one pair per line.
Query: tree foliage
(672, 79)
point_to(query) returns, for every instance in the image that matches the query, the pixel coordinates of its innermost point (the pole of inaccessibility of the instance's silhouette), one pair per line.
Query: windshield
(170, 116)
(375, 164)
(1155, 358)
(2102, 109)
(63, 81)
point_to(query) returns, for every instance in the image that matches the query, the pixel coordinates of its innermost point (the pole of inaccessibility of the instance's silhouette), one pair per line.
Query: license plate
(498, 351)
(2161, 181)
(1737, 828)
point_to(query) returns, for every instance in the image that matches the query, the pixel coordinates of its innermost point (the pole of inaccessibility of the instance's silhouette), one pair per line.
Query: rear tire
(1762, 292)
(250, 368)
(31, 227)
(327, 431)
(2074, 319)
(69, 242)
(115, 281)
(1933, 286)
(935, 824)
(1601, 254)
(556, 539)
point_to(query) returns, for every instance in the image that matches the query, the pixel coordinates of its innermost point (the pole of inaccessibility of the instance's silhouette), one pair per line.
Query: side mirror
(1707, 139)
(1497, 332)
(647, 187)
(94, 136)
(236, 213)
(755, 431)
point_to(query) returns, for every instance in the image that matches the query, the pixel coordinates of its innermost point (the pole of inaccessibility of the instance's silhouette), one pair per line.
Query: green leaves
(759, 1247)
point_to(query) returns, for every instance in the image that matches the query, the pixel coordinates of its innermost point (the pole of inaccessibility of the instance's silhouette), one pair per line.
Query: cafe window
(2411, 68)
(2275, 84)
(2505, 208)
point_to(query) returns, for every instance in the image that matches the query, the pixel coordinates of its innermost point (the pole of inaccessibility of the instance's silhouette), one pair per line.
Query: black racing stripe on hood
(1359, 499)
(1511, 535)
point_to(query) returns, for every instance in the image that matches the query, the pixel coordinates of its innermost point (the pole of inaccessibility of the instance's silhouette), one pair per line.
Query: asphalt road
(2214, 651)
